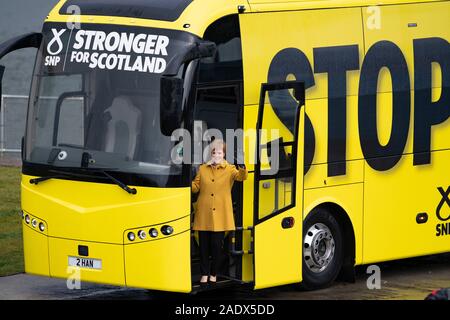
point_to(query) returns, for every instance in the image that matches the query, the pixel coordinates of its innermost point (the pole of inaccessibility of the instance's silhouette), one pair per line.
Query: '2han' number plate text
(85, 263)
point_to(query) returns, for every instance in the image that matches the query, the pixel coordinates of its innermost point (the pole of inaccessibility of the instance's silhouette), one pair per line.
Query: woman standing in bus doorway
(214, 213)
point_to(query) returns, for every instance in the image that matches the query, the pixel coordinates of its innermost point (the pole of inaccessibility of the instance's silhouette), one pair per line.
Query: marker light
(153, 233)
(422, 217)
(131, 236)
(287, 222)
(166, 230)
(142, 234)
(27, 219)
(34, 223)
(41, 227)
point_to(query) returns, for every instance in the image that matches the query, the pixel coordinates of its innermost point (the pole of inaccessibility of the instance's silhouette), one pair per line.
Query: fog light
(131, 236)
(166, 230)
(142, 234)
(34, 223)
(27, 219)
(153, 233)
(41, 227)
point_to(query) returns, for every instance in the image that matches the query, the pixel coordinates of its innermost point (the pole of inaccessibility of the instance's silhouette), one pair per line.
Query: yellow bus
(355, 93)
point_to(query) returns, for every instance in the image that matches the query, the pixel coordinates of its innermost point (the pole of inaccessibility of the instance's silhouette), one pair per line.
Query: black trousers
(210, 243)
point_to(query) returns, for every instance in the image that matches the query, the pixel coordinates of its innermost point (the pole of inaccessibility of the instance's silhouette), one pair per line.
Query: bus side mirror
(171, 100)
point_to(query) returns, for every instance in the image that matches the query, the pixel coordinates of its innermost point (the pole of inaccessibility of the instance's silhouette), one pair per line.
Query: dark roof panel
(167, 10)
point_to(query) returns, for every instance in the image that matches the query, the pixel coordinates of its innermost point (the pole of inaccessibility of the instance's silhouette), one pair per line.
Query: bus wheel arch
(319, 221)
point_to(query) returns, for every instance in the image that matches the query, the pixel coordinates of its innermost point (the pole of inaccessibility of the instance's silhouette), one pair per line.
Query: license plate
(85, 263)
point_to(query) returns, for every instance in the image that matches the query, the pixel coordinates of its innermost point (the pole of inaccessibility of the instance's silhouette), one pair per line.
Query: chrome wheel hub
(318, 247)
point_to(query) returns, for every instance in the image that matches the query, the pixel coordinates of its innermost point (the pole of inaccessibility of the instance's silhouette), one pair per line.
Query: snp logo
(54, 48)
(443, 213)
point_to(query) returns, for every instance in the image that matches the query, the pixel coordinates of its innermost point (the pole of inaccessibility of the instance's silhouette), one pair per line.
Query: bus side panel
(279, 46)
(395, 196)
(275, 45)
(433, 21)
(392, 201)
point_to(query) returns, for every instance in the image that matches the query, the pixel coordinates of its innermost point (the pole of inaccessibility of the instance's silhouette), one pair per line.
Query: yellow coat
(214, 206)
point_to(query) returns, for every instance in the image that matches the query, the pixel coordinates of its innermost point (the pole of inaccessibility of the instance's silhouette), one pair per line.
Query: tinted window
(226, 65)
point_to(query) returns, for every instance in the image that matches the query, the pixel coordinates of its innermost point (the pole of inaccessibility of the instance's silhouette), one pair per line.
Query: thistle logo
(53, 59)
(445, 199)
(443, 229)
(56, 38)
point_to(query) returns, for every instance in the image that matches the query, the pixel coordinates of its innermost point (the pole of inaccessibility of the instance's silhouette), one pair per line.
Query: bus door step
(222, 282)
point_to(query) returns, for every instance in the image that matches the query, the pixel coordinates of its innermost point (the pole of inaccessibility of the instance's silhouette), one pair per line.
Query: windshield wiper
(37, 180)
(102, 170)
(119, 183)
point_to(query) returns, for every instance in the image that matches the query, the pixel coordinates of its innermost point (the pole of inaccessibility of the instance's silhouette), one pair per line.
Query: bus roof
(189, 15)
(193, 16)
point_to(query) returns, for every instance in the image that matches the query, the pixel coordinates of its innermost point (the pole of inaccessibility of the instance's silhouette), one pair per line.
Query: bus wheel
(322, 250)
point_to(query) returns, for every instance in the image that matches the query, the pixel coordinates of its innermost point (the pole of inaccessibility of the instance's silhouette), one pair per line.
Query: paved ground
(405, 280)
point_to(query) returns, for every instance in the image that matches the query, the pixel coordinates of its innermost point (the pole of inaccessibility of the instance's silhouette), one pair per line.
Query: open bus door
(278, 193)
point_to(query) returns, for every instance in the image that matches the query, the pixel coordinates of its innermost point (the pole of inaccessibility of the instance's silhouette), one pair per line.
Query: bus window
(226, 65)
(276, 156)
(51, 89)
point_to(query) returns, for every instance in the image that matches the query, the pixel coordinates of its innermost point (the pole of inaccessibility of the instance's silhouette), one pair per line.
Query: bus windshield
(95, 99)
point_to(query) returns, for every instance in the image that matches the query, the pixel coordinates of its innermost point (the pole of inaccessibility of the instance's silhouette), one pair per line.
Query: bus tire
(322, 250)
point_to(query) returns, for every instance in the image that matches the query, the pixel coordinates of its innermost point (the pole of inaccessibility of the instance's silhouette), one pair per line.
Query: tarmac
(410, 279)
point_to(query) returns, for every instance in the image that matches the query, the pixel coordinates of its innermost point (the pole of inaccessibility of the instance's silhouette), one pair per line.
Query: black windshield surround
(78, 86)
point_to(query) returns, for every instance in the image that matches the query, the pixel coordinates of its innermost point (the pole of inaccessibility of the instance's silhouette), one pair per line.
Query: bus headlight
(166, 230)
(34, 223)
(142, 234)
(131, 236)
(153, 233)
(41, 227)
(27, 219)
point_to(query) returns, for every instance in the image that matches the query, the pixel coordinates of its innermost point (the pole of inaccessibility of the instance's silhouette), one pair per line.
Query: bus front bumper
(160, 263)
